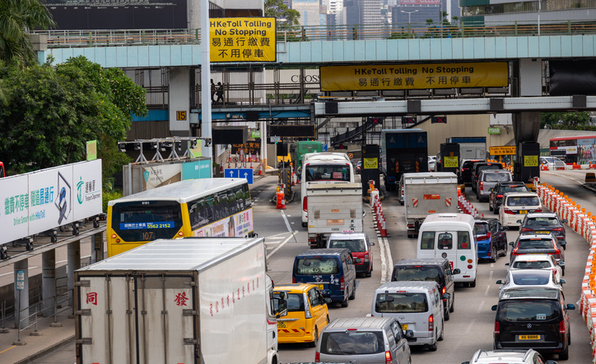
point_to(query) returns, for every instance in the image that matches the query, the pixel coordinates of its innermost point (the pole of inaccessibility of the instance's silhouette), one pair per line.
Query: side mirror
(328, 300)
(499, 281)
(493, 308)
(511, 243)
(446, 296)
(505, 227)
(372, 243)
(563, 244)
(570, 307)
(561, 264)
(564, 221)
(518, 221)
(507, 264)
(562, 281)
(409, 334)
(456, 271)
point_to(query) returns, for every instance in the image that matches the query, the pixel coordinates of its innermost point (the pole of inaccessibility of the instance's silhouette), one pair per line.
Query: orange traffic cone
(283, 203)
(260, 170)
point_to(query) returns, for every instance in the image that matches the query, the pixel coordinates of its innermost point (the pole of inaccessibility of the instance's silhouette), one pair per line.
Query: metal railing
(88, 38)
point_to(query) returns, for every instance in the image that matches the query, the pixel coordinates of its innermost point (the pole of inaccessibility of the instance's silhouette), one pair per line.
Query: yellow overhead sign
(371, 163)
(414, 76)
(242, 39)
(508, 150)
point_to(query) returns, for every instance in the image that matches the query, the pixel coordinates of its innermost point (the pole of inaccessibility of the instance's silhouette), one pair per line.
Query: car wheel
(563, 270)
(564, 355)
(369, 273)
(490, 207)
(473, 284)
(446, 314)
(494, 253)
(442, 332)
(452, 308)
(496, 210)
(353, 295)
(316, 336)
(345, 303)
(433, 347)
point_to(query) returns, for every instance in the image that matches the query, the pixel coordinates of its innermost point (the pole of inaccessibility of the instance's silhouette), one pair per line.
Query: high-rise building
(309, 11)
(506, 11)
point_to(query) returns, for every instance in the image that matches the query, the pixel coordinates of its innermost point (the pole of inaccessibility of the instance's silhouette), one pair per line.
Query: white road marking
(282, 243)
(286, 221)
(480, 306)
(486, 291)
(470, 325)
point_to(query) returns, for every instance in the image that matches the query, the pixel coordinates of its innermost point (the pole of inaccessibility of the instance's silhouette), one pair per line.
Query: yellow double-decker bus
(191, 208)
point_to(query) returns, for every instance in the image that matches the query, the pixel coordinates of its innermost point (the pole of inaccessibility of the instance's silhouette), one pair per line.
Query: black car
(464, 173)
(481, 166)
(534, 243)
(491, 238)
(429, 269)
(544, 223)
(533, 318)
(495, 197)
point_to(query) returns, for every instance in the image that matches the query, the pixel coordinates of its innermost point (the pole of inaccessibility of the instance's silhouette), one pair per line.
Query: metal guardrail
(88, 38)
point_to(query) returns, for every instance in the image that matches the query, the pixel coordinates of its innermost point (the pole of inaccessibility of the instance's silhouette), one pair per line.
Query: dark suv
(533, 318)
(544, 223)
(464, 173)
(429, 269)
(481, 166)
(495, 197)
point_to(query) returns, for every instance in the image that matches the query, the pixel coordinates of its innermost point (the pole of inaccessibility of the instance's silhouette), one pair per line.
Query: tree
(568, 120)
(53, 112)
(17, 18)
(285, 16)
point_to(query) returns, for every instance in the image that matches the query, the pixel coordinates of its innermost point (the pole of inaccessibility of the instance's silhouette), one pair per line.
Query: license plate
(404, 326)
(523, 211)
(529, 337)
(281, 325)
(542, 232)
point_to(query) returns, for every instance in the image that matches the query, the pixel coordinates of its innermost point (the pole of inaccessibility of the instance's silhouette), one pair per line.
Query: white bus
(325, 167)
(209, 207)
(450, 236)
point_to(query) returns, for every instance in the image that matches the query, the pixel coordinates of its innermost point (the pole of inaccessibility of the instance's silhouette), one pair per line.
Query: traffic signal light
(375, 120)
(439, 120)
(408, 120)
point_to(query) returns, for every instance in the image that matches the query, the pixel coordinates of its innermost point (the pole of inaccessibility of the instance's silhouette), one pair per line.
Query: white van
(417, 305)
(450, 236)
(325, 167)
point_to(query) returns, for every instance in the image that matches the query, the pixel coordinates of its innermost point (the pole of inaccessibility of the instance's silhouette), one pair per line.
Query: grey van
(331, 270)
(429, 269)
(418, 306)
(364, 340)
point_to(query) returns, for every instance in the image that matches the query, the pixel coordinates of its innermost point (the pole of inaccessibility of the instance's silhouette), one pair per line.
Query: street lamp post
(409, 17)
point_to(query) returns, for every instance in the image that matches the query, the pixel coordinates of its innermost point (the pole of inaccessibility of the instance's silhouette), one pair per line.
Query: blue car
(491, 238)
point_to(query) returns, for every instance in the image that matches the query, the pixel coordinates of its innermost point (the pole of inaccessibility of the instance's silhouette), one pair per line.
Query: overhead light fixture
(122, 147)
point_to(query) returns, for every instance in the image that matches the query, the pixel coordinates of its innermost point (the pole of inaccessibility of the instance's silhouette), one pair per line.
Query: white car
(536, 261)
(552, 163)
(529, 356)
(516, 206)
(526, 278)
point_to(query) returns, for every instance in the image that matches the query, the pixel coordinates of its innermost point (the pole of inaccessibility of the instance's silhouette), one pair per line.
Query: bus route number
(148, 235)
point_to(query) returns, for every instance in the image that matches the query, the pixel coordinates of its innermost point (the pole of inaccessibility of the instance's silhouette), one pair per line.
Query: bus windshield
(147, 221)
(328, 172)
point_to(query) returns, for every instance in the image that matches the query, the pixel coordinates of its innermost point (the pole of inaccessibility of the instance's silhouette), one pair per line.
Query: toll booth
(449, 157)
(527, 165)
(370, 167)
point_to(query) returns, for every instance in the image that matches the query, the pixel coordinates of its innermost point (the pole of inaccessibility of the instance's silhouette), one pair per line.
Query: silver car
(488, 179)
(529, 356)
(364, 340)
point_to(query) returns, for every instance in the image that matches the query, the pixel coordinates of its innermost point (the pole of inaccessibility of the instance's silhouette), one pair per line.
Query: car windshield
(531, 279)
(497, 177)
(402, 302)
(535, 244)
(528, 310)
(531, 264)
(480, 228)
(317, 265)
(295, 302)
(484, 167)
(352, 342)
(417, 273)
(515, 188)
(523, 201)
(542, 221)
(354, 245)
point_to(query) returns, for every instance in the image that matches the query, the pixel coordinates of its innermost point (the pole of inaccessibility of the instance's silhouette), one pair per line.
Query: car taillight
(497, 328)
(499, 196)
(481, 186)
(431, 323)
(465, 169)
(539, 210)
(557, 251)
(558, 229)
(304, 204)
(444, 290)
(526, 229)
(388, 358)
(507, 211)
(514, 252)
(317, 356)
(342, 283)
(562, 327)
(293, 280)
(484, 237)
(307, 313)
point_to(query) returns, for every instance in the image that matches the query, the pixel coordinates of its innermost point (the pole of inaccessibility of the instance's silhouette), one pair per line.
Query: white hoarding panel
(87, 200)
(51, 194)
(14, 214)
(161, 175)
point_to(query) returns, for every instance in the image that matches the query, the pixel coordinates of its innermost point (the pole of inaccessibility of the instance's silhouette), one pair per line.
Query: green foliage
(285, 16)
(109, 195)
(565, 120)
(17, 17)
(53, 112)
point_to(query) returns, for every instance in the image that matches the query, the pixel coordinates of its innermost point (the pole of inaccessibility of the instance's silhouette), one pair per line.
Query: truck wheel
(304, 224)
(473, 284)
(490, 207)
(345, 303)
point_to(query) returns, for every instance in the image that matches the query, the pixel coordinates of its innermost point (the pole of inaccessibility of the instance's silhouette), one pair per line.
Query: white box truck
(428, 193)
(333, 208)
(192, 300)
